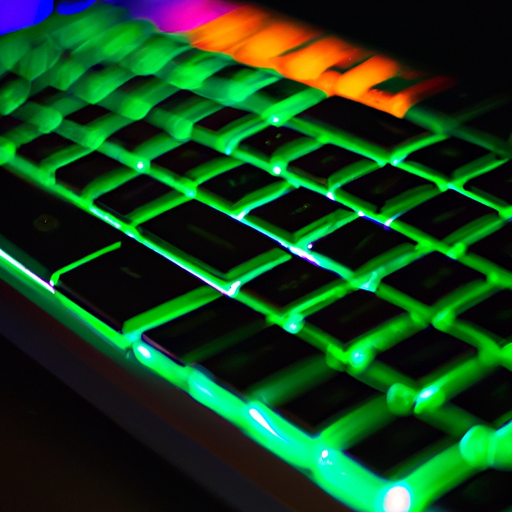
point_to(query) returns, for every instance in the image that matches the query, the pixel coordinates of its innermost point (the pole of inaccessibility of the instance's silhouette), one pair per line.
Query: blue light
(17, 15)
(74, 6)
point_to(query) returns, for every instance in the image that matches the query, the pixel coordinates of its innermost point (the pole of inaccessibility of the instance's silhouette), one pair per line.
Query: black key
(44, 147)
(289, 282)
(395, 443)
(135, 134)
(178, 100)
(235, 185)
(186, 157)
(222, 118)
(281, 90)
(221, 321)
(8, 123)
(354, 315)
(367, 123)
(46, 232)
(257, 357)
(215, 239)
(493, 314)
(47, 96)
(382, 186)
(496, 247)
(447, 156)
(321, 164)
(424, 352)
(80, 173)
(490, 398)
(269, 140)
(87, 114)
(497, 182)
(328, 401)
(489, 491)
(497, 122)
(124, 283)
(132, 195)
(432, 277)
(295, 211)
(358, 242)
(444, 214)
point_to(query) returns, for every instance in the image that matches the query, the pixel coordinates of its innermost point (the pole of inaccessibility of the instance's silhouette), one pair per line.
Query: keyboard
(333, 280)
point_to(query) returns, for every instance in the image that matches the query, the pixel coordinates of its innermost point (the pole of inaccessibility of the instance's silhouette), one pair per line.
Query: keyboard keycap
(214, 239)
(444, 214)
(135, 134)
(289, 283)
(497, 122)
(425, 352)
(489, 399)
(268, 141)
(44, 147)
(328, 401)
(87, 114)
(354, 315)
(221, 119)
(257, 357)
(497, 183)
(496, 247)
(358, 242)
(431, 278)
(47, 233)
(205, 329)
(126, 282)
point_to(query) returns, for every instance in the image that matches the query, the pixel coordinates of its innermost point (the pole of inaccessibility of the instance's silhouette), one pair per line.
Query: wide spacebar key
(45, 233)
(213, 240)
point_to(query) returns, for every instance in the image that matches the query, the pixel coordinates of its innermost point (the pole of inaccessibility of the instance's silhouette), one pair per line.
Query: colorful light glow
(397, 499)
(262, 421)
(144, 352)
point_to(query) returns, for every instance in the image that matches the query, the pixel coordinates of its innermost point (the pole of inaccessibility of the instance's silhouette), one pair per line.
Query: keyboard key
(489, 491)
(47, 233)
(289, 283)
(496, 247)
(497, 122)
(328, 401)
(489, 399)
(296, 213)
(214, 239)
(221, 119)
(402, 439)
(357, 243)
(432, 277)
(80, 173)
(237, 186)
(257, 357)
(497, 183)
(270, 140)
(87, 114)
(382, 187)
(444, 214)
(216, 324)
(133, 194)
(493, 314)
(374, 126)
(425, 352)
(322, 164)
(124, 283)
(354, 315)
(135, 134)
(44, 147)
(447, 156)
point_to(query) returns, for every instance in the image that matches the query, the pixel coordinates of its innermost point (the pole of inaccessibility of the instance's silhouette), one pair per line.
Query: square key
(44, 147)
(432, 278)
(488, 491)
(394, 444)
(135, 134)
(267, 142)
(425, 352)
(445, 213)
(221, 321)
(369, 124)
(258, 357)
(327, 402)
(354, 315)
(80, 173)
(447, 156)
(383, 187)
(289, 283)
(490, 398)
(296, 213)
(213, 239)
(496, 247)
(497, 122)
(496, 182)
(132, 195)
(321, 165)
(357, 243)
(493, 314)
(222, 119)
(87, 114)
(126, 282)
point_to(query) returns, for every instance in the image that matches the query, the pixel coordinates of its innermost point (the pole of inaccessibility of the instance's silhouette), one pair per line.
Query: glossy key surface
(270, 140)
(497, 247)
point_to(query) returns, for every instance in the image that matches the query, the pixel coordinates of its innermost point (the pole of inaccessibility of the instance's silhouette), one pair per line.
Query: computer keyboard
(333, 280)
